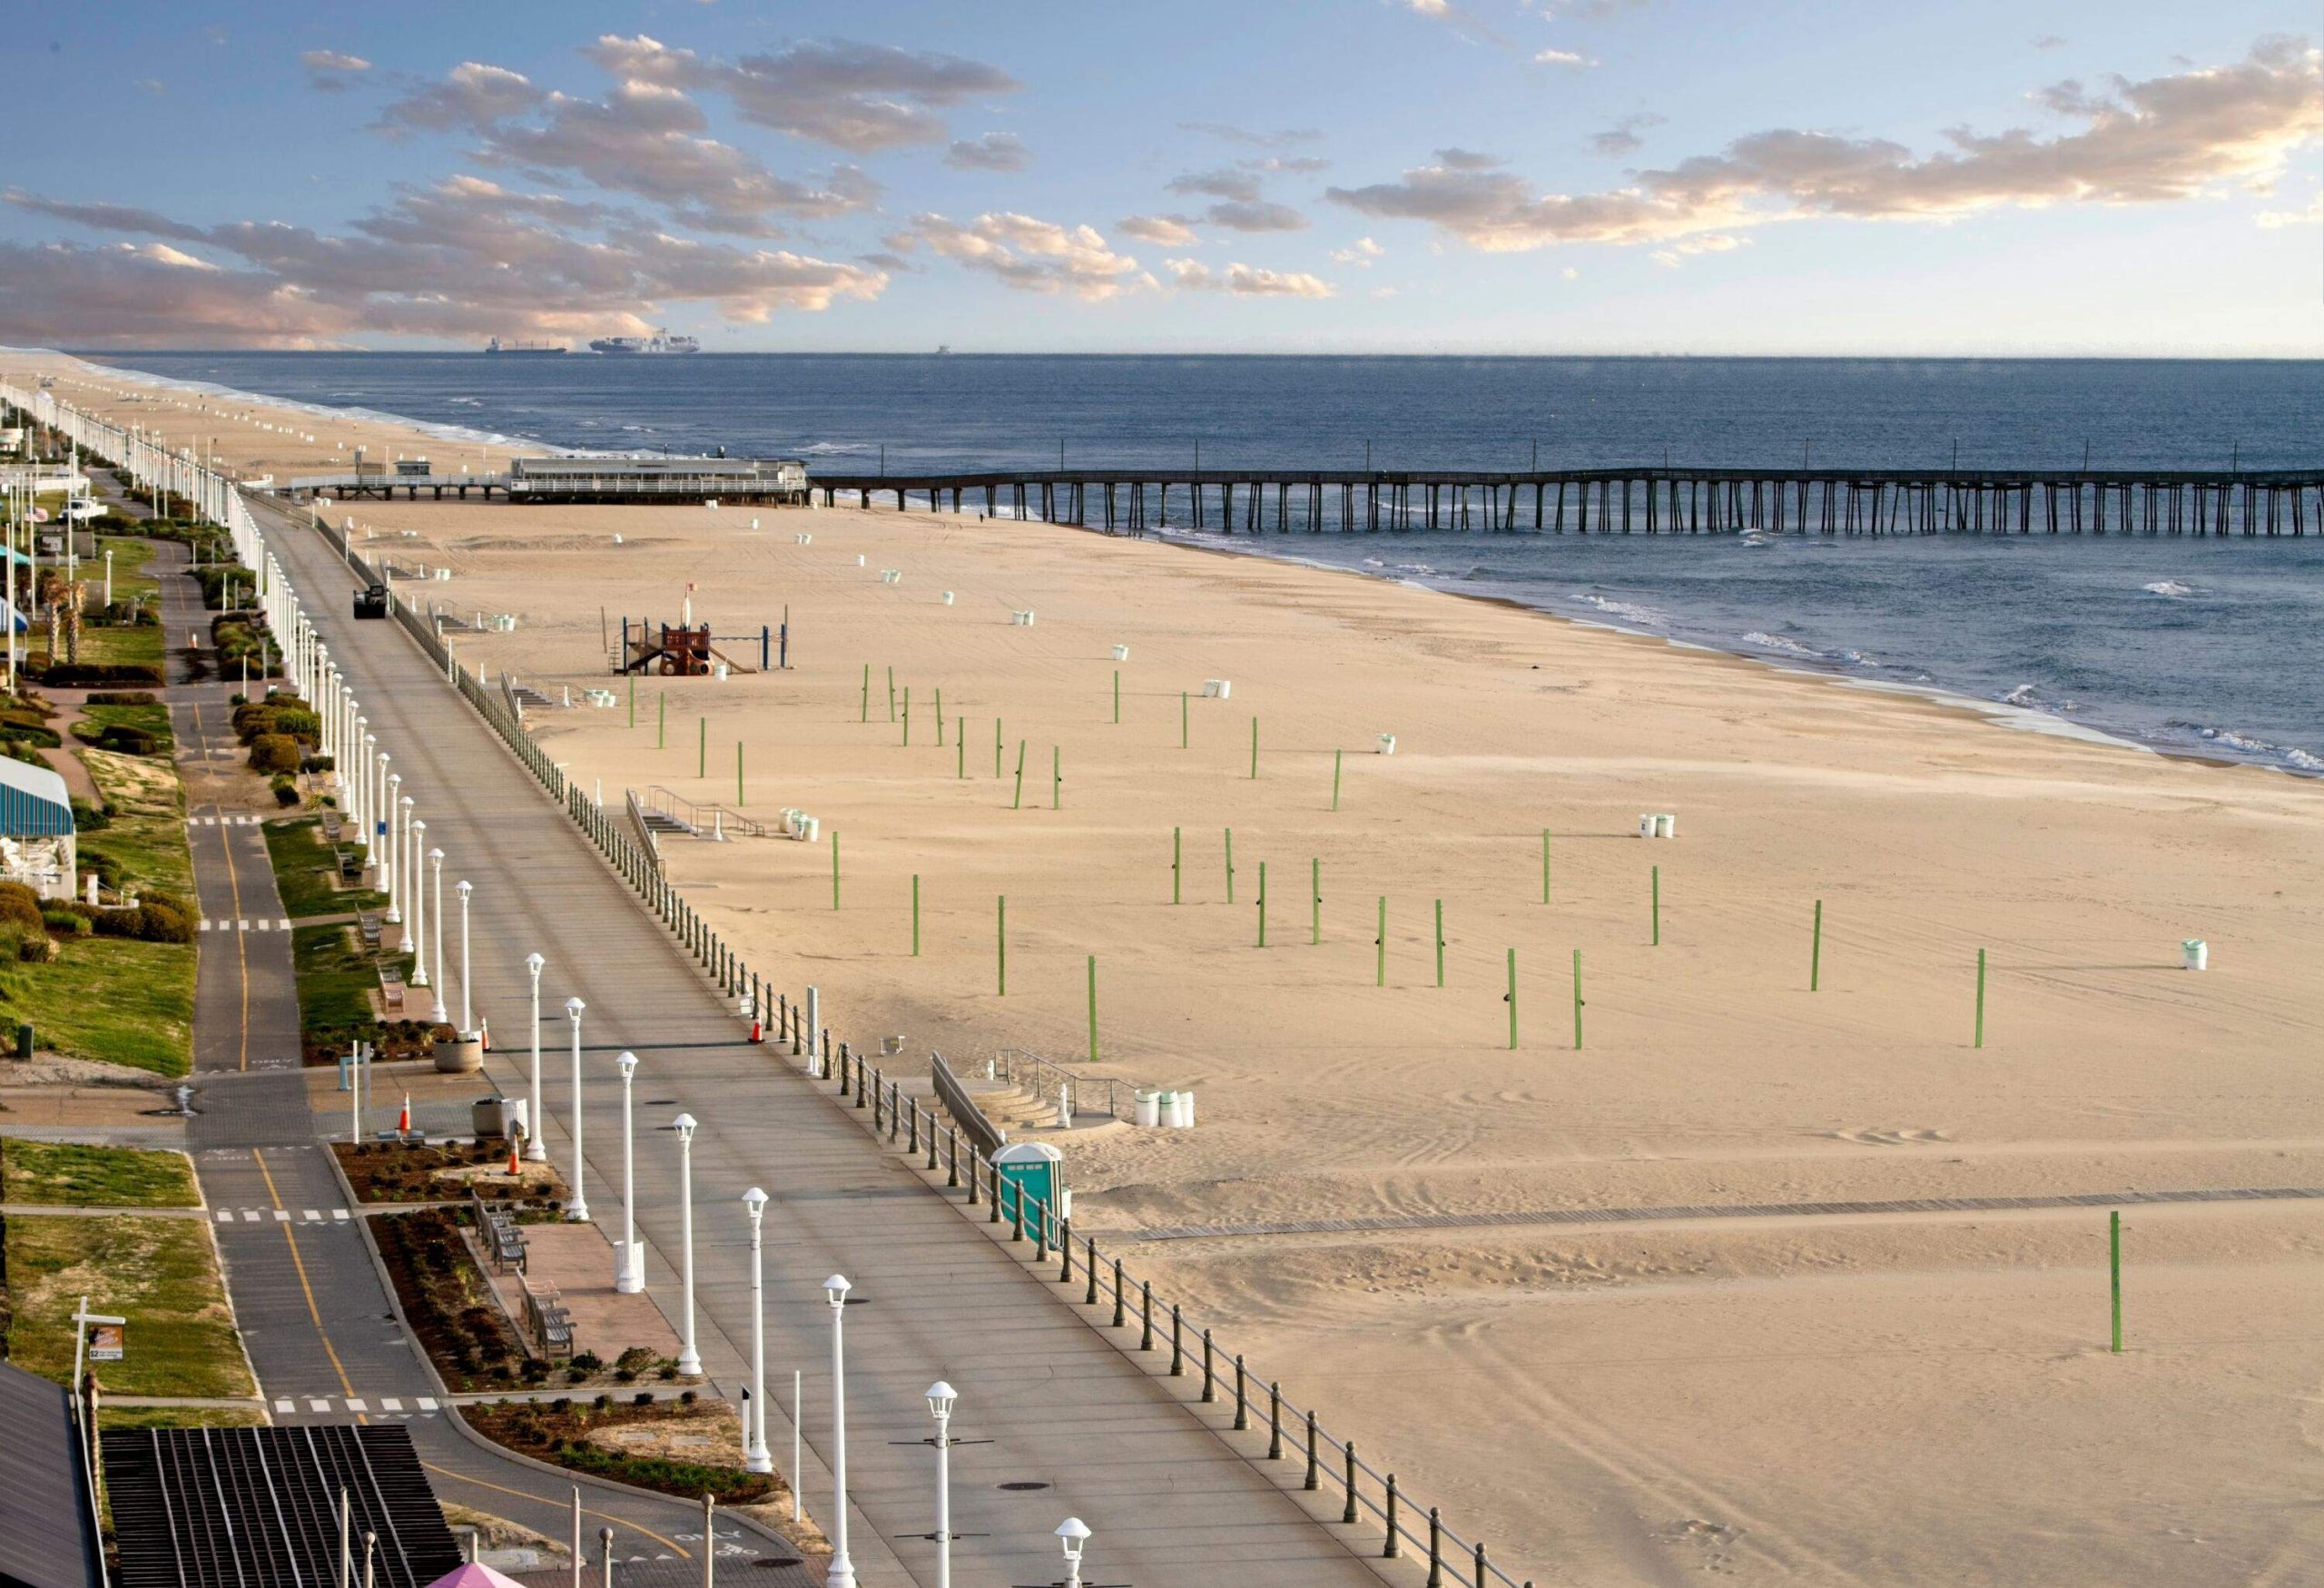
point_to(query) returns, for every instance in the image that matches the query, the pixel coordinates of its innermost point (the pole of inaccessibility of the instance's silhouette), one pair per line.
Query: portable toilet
(1036, 1169)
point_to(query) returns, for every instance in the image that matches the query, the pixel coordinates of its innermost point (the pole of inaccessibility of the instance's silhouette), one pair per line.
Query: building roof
(33, 801)
(46, 1533)
(258, 1507)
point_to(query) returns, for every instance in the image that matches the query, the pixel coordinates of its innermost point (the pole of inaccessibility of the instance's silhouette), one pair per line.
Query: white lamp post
(689, 1360)
(843, 1570)
(395, 841)
(535, 1148)
(467, 1004)
(941, 1396)
(577, 1206)
(415, 834)
(1074, 1535)
(629, 1264)
(755, 1457)
(435, 887)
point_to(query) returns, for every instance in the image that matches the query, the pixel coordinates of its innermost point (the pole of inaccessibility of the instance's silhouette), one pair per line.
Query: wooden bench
(368, 927)
(351, 866)
(392, 989)
(331, 826)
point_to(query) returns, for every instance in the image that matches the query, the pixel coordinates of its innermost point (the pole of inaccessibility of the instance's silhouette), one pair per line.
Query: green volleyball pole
(662, 723)
(996, 746)
(1018, 803)
(1816, 949)
(738, 775)
(1255, 748)
(2114, 1262)
(1230, 865)
(940, 716)
(1440, 942)
(1001, 941)
(867, 691)
(1512, 1000)
(891, 694)
(1057, 778)
(702, 749)
(1577, 1001)
(1117, 695)
(1545, 865)
(1093, 1009)
(1177, 857)
(834, 871)
(1335, 777)
(915, 915)
(632, 700)
(1263, 903)
(1380, 946)
(960, 753)
(1182, 719)
(1657, 906)
(907, 716)
(1981, 997)
(1314, 901)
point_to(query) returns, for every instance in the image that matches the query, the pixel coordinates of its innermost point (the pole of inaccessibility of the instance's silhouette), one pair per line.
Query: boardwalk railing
(1369, 1498)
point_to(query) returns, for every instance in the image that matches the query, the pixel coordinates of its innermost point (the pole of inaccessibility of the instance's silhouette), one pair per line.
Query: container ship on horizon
(532, 349)
(661, 341)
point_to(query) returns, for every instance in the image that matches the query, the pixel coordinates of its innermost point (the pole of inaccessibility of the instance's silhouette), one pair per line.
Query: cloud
(1259, 216)
(1222, 182)
(149, 84)
(855, 96)
(2276, 219)
(1244, 280)
(1561, 58)
(1622, 137)
(1286, 138)
(1466, 160)
(1166, 231)
(1028, 254)
(1707, 242)
(2050, 41)
(1297, 165)
(464, 259)
(2152, 141)
(991, 151)
(333, 61)
(471, 98)
(1359, 254)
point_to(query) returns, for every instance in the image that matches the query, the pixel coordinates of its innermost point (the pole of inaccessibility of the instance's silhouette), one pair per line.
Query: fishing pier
(1665, 500)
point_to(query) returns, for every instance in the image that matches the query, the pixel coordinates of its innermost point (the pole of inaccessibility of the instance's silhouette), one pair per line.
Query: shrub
(65, 923)
(561, 1405)
(286, 789)
(643, 1397)
(587, 1362)
(33, 950)
(603, 1402)
(157, 919)
(88, 818)
(20, 906)
(317, 763)
(686, 1398)
(127, 740)
(624, 1375)
(274, 753)
(75, 674)
(120, 697)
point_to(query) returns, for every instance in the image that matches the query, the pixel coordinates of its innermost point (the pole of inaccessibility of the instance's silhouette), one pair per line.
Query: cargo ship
(661, 341)
(532, 349)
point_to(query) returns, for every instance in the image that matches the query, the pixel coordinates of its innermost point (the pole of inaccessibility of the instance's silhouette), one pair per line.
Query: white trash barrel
(1387, 744)
(1146, 1108)
(1645, 826)
(2196, 953)
(1666, 826)
(1121, 653)
(948, 598)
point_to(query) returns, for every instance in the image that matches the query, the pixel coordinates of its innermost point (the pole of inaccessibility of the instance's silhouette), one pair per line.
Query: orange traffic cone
(516, 1169)
(485, 1027)
(403, 1119)
(758, 1030)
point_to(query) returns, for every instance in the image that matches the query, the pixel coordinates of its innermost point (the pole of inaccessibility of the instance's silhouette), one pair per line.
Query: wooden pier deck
(1646, 500)
(1658, 500)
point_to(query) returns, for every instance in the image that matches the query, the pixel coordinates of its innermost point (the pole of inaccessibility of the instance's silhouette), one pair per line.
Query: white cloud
(2276, 219)
(1244, 280)
(1259, 216)
(2157, 139)
(1028, 254)
(333, 61)
(1561, 58)
(1163, 230)
(471, 98)
(1359, 253)
(989, 152)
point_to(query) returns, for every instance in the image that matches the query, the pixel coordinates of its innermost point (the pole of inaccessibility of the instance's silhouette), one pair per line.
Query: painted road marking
(225, 1216)
(320, 1407)
(283, 924)
(205, 924)
(426, 1403)
(248, 1216)
(339, 1215)
(389, 1403)
(281, 1216)
(285, 1405)
(313, 1216)
(355, 1405)
(265, 925)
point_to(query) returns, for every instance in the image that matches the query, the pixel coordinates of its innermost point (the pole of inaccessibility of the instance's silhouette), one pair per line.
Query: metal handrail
(1047, 1077)
(704, 819)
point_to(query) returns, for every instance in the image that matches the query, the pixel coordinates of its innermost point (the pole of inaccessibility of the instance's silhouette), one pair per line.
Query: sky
(1932, 177)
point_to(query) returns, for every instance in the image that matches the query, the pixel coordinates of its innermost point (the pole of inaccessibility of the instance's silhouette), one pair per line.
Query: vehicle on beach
(371, 601)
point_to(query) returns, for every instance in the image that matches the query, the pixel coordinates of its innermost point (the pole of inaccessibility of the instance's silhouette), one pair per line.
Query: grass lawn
(131, 582)
(114, 1416)
(109, 998)
(335, 975)
(154, 719)
(160, 1274)
(62, 1173)
(304, 867)
(146, 838)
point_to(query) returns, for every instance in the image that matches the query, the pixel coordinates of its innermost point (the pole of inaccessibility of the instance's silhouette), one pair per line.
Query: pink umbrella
(473, 1576)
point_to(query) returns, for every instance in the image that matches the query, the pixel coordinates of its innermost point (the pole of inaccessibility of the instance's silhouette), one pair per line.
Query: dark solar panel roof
(258, 1507)
(45, 1532)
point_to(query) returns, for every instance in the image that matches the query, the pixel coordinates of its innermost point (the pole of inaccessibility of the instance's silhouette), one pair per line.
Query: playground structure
(689, 650)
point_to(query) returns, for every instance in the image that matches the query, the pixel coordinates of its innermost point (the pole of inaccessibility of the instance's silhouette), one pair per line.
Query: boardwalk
(1091, 1431)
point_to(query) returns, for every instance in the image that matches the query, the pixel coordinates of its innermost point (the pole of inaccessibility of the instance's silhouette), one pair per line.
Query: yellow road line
(306, 1289)
(521, 1495)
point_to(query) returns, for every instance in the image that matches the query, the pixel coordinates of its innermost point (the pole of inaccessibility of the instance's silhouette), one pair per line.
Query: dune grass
(160, 1274)
(66, 1174)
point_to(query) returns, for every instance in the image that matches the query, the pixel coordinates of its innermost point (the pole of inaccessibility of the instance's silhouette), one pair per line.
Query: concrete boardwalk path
(312, 1311)
(1173, 1505)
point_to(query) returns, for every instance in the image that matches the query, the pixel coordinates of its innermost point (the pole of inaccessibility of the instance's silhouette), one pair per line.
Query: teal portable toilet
(1036, 1171)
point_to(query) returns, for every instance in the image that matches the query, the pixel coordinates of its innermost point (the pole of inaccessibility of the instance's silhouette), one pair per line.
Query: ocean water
(2210, 647)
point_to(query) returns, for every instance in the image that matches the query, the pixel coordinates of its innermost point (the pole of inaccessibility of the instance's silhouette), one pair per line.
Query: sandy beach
(1805, 1396)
